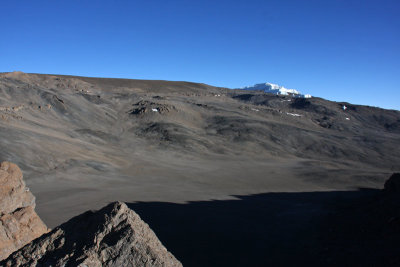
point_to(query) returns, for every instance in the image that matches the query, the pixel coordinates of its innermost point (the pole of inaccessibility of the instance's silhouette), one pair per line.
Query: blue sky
(339, 50)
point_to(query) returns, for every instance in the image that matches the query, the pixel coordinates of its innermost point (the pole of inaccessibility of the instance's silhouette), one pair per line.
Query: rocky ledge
(19, 223)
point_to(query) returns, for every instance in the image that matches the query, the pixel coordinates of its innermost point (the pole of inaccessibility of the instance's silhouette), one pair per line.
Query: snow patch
(293, 114)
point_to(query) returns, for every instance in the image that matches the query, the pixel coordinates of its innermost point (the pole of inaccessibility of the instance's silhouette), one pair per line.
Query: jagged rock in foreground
(112, 236)
(365, 231)
(19, 223)
(393, 184)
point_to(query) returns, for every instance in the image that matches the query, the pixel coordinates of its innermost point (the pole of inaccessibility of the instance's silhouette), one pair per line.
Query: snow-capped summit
(275, 89)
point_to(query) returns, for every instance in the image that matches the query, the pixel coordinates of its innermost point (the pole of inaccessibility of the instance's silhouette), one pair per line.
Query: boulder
(392, 185)
(19, 223)
(112, 236)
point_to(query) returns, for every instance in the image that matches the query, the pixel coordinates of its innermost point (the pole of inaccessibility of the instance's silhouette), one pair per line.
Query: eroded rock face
(19, 223)
(112, 236)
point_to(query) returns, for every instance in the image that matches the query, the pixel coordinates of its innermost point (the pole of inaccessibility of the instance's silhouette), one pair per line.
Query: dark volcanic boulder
(112, 236)
(393, 184)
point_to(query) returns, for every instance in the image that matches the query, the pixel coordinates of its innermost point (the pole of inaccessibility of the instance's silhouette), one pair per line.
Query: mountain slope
(87, 140)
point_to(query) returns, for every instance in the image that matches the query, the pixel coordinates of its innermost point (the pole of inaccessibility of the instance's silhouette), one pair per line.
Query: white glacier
(275, 89)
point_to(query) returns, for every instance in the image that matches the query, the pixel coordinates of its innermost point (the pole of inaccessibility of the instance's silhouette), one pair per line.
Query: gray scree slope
(83, 141)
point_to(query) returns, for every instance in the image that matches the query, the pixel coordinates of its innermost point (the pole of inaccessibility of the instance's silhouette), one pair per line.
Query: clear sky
(340, 50)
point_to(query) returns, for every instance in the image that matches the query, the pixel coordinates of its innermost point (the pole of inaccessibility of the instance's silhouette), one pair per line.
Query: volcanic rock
(19, 223)
(112, 236)
(392, 185)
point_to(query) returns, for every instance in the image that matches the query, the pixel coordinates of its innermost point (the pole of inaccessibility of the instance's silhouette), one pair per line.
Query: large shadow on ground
(271, 229)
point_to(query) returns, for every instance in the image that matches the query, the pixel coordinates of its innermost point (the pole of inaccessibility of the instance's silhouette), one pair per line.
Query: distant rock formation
(112, 236)
(19, 223)
(143, 107)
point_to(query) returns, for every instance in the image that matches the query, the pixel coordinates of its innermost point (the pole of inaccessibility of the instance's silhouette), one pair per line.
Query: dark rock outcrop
(393, 184)
(19, 223)
(112, 236)
(142, 107)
